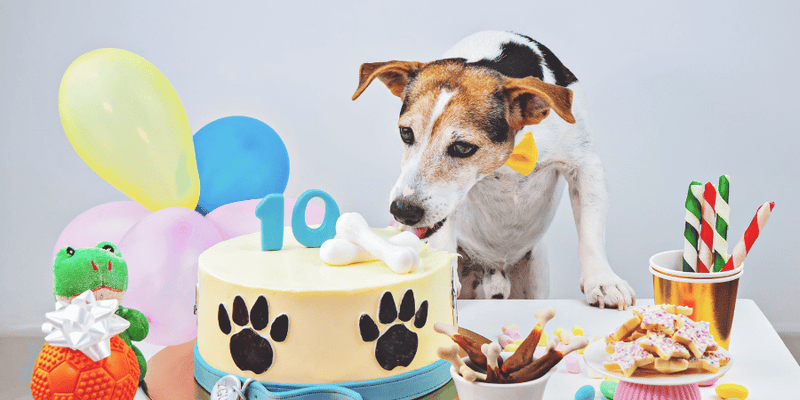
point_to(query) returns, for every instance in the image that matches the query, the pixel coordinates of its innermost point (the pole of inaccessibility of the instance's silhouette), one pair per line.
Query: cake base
(170, 376)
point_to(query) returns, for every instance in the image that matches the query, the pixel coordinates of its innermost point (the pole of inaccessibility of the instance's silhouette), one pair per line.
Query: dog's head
(458, 122)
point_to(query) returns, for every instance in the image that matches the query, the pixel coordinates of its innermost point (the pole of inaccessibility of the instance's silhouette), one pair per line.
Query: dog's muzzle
(406, 212)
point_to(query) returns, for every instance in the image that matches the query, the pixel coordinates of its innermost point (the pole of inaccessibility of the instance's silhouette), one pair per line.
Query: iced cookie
(709, 362)
(695, 336)
(627, 357)
(657, 318)
(624, 330)
(665, 346)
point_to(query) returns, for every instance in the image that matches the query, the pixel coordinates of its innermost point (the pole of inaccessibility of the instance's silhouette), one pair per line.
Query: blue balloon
(239, 158)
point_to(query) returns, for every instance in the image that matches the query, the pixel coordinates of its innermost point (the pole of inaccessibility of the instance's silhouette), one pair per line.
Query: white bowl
(531, 390)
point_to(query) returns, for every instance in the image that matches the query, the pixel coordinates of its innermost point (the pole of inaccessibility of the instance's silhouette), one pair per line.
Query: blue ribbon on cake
(408, 385)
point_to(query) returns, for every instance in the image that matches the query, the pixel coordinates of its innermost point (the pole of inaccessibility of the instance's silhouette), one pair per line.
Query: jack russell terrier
(460, 119)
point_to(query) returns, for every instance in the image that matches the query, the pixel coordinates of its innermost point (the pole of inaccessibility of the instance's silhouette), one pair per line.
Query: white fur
(500, 218)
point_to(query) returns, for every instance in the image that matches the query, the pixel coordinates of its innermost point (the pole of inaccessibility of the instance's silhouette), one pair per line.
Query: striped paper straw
(705, 254)
(750, 235)
(721, 226)
(691, 231)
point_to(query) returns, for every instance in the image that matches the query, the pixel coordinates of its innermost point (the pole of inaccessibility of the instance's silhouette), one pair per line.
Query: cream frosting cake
(285, 316)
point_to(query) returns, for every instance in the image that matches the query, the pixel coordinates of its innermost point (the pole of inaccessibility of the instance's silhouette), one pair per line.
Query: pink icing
(657, 316)
(627, 353)
(697, 333)
(665, 343)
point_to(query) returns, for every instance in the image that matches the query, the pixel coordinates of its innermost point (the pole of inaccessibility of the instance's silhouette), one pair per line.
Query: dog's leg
(530, 276)
(589, 197)
(470, 276)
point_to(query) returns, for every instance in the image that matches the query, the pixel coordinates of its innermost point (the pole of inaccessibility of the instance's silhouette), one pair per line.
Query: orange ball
(61, 373)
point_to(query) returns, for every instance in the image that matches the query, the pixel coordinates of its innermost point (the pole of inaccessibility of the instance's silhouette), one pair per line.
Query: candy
(572, 364)
(721, 224)
(585, 393)
(512, 331)
(524, 354)
(691, 231)
(730, 391)
(558, 332)
(750, 235)
(505, 340)
(577, 330)
(511, 347)
(542, 340)
(608, 388)
(705, 254)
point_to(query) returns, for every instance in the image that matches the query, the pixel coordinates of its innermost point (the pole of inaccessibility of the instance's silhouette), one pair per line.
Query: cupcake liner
(635, 391)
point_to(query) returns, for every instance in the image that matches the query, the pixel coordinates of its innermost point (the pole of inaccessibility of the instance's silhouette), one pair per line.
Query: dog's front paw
(607, 289)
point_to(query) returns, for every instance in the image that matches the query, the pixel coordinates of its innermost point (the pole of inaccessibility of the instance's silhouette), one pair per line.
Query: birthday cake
(287, 317)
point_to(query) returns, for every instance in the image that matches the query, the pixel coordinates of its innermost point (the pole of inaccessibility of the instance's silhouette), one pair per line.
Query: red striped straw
(750, 236)
(705, 255)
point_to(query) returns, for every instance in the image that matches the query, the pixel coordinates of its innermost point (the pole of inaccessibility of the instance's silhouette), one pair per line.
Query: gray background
(677, 91)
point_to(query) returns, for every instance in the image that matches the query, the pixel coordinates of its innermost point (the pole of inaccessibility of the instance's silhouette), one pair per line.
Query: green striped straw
(721, 224)
(691, 231)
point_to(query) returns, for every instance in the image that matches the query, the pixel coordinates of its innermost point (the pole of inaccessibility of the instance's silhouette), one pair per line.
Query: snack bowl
(531, 390)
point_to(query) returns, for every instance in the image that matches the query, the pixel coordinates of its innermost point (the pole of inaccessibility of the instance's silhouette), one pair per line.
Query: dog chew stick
(524, 354)
(538, 368)
(492, 353)
(472, 349)
(451, 354)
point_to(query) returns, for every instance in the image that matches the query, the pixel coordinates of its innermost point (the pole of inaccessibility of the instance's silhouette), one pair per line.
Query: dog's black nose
(498, 296)
(405, 212)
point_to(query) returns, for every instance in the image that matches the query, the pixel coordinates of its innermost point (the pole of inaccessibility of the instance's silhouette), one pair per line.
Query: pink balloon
(239, 218)
(106, 222)
(162, 251)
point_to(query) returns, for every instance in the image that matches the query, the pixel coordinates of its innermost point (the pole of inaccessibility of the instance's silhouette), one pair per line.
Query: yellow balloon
(126, 122)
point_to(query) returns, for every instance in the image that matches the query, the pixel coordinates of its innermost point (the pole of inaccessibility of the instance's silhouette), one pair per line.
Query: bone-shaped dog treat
(470, 347)
(538, 368)
(343, 252)
(492, 353)
(352, 227)
(524, 354)
(451, 354)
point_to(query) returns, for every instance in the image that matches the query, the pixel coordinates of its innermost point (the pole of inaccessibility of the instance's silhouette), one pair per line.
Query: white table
(762, 363)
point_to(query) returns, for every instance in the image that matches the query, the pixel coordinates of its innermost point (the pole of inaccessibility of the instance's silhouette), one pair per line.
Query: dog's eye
(407, 135)
(461, 149)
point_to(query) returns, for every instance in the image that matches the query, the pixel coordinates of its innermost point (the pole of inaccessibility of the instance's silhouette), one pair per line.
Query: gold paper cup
(712, 296)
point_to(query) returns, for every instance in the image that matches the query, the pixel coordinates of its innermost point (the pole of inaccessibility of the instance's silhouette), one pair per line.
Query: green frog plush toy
(102, 270)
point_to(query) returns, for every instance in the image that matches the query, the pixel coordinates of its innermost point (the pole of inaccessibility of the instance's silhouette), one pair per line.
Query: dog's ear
(394, 74)
(530, 101)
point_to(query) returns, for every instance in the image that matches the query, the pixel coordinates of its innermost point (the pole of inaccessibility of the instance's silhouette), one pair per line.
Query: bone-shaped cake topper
(344, 252)
(451, 354)
(491, 351)
(400, 259)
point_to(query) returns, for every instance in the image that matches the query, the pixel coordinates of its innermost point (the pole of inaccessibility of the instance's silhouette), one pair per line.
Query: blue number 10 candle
(270, 212)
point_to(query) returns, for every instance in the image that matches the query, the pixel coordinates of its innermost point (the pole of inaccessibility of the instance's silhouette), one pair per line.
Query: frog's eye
(108, 247)
(70, 251)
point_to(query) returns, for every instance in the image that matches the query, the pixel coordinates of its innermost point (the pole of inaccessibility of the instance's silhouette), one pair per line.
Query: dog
(460, 119)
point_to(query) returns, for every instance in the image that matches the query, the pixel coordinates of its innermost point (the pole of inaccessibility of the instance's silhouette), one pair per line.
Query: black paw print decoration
(397, 345)
(249, 349)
